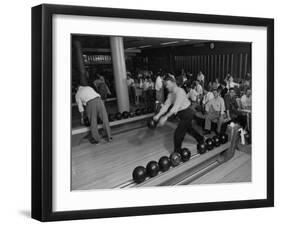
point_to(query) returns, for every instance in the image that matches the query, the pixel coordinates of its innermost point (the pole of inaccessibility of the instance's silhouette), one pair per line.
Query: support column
(119, 69)
(80, 62)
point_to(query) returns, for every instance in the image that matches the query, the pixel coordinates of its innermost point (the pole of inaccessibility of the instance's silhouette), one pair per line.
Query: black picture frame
(42, 111)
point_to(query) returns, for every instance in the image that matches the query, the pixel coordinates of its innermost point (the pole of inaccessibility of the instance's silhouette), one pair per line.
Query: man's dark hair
(193, 85)
(208, 88)
(169, 78)
(231, 89)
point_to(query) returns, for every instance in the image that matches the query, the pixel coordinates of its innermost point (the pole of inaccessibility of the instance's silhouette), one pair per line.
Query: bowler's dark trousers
(185, 126)
(95, 108)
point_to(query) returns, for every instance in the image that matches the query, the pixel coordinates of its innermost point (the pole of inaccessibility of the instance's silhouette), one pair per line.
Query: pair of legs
(185, 126)
(211, 116)
(95, 108)
(131, 92)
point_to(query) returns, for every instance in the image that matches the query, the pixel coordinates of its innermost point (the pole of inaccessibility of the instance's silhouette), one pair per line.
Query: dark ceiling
(102, 42)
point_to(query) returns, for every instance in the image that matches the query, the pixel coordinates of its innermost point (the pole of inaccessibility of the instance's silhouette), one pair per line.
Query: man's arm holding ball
(163, 109)
(172, 111)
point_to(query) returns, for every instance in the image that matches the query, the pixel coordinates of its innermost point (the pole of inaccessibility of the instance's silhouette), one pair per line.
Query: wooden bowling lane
(78, 139)
(237, 169)
(110, 164)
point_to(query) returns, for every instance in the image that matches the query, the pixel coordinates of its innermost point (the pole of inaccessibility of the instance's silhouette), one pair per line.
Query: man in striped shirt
(181, 107)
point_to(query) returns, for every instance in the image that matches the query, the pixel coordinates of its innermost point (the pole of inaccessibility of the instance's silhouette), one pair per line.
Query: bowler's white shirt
(178, 99)
(83, 95)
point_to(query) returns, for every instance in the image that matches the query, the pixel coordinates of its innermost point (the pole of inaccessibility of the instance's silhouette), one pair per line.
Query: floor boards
(237, 169)
(108, 165)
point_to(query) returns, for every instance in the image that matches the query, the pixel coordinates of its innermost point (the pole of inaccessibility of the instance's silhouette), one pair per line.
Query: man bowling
(87, 97)
(182, 108)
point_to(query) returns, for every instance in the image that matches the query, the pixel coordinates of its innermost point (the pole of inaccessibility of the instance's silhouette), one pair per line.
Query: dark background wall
(214, 59)
(225, 57)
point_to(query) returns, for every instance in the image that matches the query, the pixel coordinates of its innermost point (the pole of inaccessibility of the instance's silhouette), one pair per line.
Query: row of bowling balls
(212, 143)
(152, 168)
(123, 115)
(131, 114)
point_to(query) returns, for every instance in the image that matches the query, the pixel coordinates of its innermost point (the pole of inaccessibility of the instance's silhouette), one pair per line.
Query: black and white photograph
(159, 112)
(141, 112)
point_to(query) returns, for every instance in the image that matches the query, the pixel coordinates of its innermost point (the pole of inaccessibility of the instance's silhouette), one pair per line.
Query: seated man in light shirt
(208, 95)
(198, 88)
(246, 100)
(88, 99)
(215, 110)
(177, 98)
(192, 95)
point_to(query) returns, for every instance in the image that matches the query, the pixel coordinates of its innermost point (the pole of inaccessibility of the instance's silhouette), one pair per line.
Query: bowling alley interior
(118, 86)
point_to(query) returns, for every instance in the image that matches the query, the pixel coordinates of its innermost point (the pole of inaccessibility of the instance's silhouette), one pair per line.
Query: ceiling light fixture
(144, 46)
(167, 43)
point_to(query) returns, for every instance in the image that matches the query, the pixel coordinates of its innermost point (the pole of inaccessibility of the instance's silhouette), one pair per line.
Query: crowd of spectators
(217, 100)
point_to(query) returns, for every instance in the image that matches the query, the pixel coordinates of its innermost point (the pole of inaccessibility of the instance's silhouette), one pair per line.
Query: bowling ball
(151, 124)
(118, 116)
(131, 114)
(152, 168)
(223, 138)
(201, 148)
(209, 144)
(175, 159)
(139, 174)
(185, 154)
(138, 112)
(143, 111)
(216, 141)
(164, 163)
(125, 114)
(86, 121)
(111, 117)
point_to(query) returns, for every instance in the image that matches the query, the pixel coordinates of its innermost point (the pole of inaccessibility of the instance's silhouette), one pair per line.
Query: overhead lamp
(167, 43)
(144, 46)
